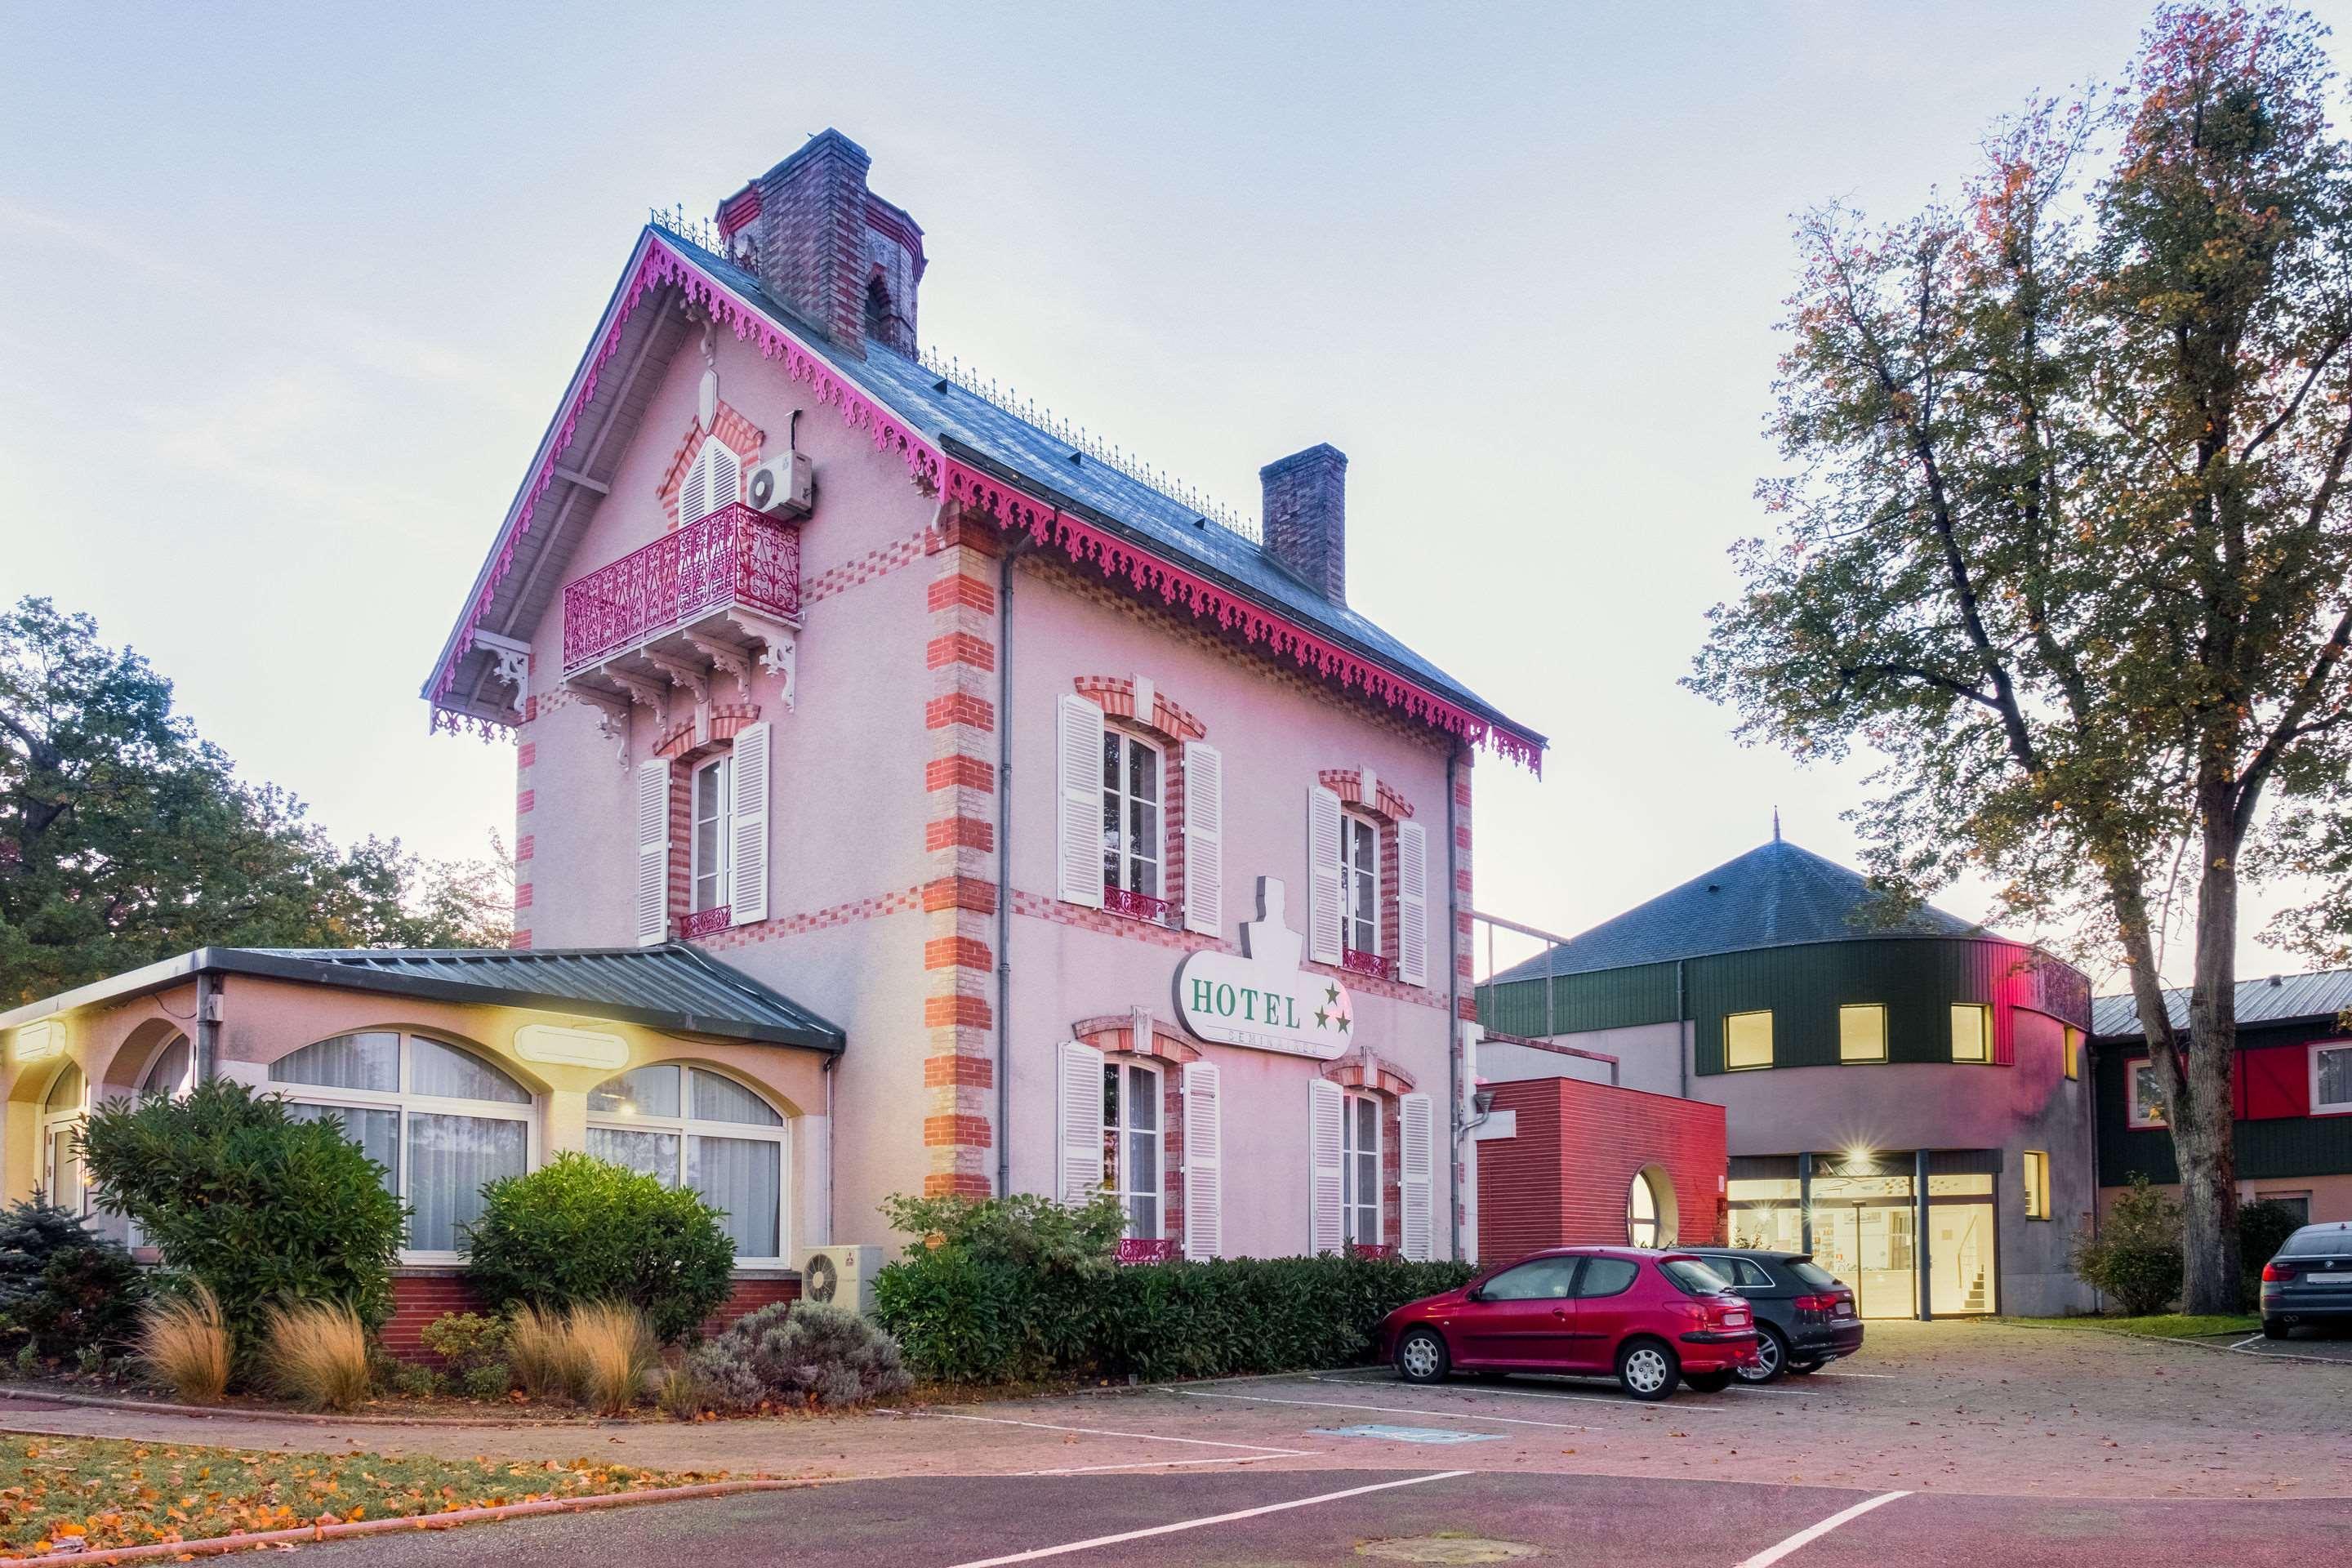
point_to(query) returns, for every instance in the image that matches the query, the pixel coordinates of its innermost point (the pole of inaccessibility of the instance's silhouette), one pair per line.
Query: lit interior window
(1862, 1034)
(1971, 1032)
(1748, 1040)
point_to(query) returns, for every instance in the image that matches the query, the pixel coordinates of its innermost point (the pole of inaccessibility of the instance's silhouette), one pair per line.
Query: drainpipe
(207, 1026)
(1683, 1045)
(1005, 863)
(1453, 1008)
(1925, 1263)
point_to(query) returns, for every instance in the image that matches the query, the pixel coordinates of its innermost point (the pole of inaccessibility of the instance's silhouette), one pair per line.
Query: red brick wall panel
(1563, 1181)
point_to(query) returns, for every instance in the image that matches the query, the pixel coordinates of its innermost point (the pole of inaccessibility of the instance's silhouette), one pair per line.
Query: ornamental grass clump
(184, 1342)
(539, 1353)
(317, 1356)
(612, 1349)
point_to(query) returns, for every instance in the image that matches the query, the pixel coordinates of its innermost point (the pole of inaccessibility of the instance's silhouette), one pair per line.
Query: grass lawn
(2162, 1326)
(91, 1492)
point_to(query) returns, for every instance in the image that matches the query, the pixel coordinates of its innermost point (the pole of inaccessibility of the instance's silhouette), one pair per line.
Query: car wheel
(1804, 1368)
(1771, 1356)
(1648, 1370)
(1707, 1382)
(2273, 1329)
(1421, 1357)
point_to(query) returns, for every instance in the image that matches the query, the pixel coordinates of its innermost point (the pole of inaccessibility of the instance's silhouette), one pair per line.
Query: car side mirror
(1476, 1293)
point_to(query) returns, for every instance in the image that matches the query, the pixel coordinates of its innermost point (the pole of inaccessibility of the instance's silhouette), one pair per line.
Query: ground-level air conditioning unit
(841, 1276)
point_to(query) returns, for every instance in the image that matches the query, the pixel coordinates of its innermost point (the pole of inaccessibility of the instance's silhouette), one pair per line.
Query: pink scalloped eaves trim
(1182, 590)
(1010, 507)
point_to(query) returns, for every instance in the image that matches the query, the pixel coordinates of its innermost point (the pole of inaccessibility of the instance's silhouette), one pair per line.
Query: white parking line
(1812, 1533)
(1620, 1401)
(1201, 1523)
(2249, 1339)
(1390, 1410)
(1244, 1453)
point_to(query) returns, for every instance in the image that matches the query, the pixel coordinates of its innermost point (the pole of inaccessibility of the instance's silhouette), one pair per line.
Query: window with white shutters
(1131, 842)
(1131, 1144)
(1417, 1145)
(1078, 830)
(1359, 1169)
(1326, 1150)
(715, 480)
(1412, 903)
(712, 841)
(1325, 894)
(1360, 884)
(1204, 839)
(1204, 1195)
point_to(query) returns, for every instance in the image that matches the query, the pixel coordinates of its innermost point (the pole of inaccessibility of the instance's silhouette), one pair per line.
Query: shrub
(539, 1353)
(71, 1291)
(488, 1380)
(1024, 1229)
(407, 1379)
(262, 1208)
(2262, 1229)
(184, 1341)
(611, 1350)
(970, 1311)
(2134, 1256)
(580, 1230)
(804, 1353)
(464, 1341)
(319, 1355)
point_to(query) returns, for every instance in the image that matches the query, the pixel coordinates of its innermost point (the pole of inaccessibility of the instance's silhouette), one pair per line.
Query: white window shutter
(1325, 1107)
(693, 495)
(1412, 903)
(1204, 839)
(653, 851)
(1079, 849)
(725, 476)
(1204, 1195)
(747, 893)
(1323, 888)
(1081, 1123)
(1417, 1136)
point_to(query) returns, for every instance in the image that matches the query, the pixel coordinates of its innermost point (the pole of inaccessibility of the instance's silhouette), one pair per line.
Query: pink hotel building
(911, 798)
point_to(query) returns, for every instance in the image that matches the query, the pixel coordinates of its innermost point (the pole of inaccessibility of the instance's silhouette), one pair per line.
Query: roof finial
(1776, 825)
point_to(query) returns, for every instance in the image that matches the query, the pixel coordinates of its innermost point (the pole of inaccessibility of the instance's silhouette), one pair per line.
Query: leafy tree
(125, 837)
(2065, 538)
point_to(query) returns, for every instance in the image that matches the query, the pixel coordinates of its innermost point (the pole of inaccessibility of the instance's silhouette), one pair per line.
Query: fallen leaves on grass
(94, 1493)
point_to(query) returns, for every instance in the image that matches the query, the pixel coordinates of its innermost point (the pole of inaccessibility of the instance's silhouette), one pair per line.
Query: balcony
(700, 601)
(1138, 907)
(1356, 960)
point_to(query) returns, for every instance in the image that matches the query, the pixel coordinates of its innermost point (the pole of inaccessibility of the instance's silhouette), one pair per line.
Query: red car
(1651, 1319)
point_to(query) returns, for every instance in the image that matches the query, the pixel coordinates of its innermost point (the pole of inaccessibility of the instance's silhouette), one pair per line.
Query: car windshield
(1694, 1278)
(1812, 1274)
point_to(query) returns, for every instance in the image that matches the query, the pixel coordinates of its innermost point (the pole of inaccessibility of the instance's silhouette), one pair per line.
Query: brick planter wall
(419, 1295)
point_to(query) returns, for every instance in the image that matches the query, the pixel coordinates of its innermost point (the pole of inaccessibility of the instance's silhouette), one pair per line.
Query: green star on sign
(1331, 994)
(1343, 1024)
(1322, 1019)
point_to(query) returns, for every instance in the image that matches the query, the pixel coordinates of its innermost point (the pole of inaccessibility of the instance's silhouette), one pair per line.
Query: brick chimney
(827, 248)
(1306, 517)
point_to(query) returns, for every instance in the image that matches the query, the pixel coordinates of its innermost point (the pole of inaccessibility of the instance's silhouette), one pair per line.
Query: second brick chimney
(837, 254)
(1306, 517)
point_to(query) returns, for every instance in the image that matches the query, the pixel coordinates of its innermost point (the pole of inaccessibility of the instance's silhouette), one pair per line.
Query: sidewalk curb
(219, 1545)
(216, 1412)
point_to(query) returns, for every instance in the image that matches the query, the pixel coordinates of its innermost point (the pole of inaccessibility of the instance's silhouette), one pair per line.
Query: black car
(2310, 1281)
(1805, 1317)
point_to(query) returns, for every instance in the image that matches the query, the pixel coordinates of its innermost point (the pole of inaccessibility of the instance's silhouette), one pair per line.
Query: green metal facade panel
(1602, 999)
(1916, 979)
(2269, 1149)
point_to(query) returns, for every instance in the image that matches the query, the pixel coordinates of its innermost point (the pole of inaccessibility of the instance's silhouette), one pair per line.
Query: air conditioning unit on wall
(841, 1276)
(783, 487)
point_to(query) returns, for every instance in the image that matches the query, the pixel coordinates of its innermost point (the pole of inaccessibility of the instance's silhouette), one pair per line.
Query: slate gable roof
(673, 987)
(1043, 464)
(2266, 1000)
(1775, 895)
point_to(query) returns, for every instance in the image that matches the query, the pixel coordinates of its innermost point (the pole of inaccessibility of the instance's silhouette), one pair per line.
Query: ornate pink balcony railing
(733, 559)
(1356, 960)
(1135, 1249)
(702, 922)
(1138, 906)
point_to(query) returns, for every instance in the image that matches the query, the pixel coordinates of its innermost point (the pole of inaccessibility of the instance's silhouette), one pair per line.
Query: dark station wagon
(1805, 1317)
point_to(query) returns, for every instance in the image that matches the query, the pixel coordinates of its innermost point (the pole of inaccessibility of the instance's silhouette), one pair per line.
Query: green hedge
(962, 1317)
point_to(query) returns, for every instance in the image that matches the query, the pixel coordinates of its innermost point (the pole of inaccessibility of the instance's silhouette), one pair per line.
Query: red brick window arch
(1156, 1230)
(1372, 1151)
(1144, 796)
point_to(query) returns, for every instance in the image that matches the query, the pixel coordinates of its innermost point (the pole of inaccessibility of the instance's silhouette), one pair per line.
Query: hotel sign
(1262, 998)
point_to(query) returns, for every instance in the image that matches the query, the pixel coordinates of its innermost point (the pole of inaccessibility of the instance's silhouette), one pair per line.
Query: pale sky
(291, 293)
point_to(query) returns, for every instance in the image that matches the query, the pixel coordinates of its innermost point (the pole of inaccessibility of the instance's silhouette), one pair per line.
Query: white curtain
(376, 1132)
(723, 1100)
(652, 1153)
(447, 1073)
(369, 1061)
(743, 1176)
(641, 1091)
(449, 1158)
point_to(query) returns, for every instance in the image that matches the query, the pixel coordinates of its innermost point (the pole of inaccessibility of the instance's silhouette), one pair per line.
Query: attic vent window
(877, 310)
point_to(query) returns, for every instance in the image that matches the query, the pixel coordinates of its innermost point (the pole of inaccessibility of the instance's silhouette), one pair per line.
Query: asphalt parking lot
(1981, 1440)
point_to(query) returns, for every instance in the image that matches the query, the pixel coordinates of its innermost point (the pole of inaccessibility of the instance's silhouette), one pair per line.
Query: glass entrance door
(1863, 1231)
